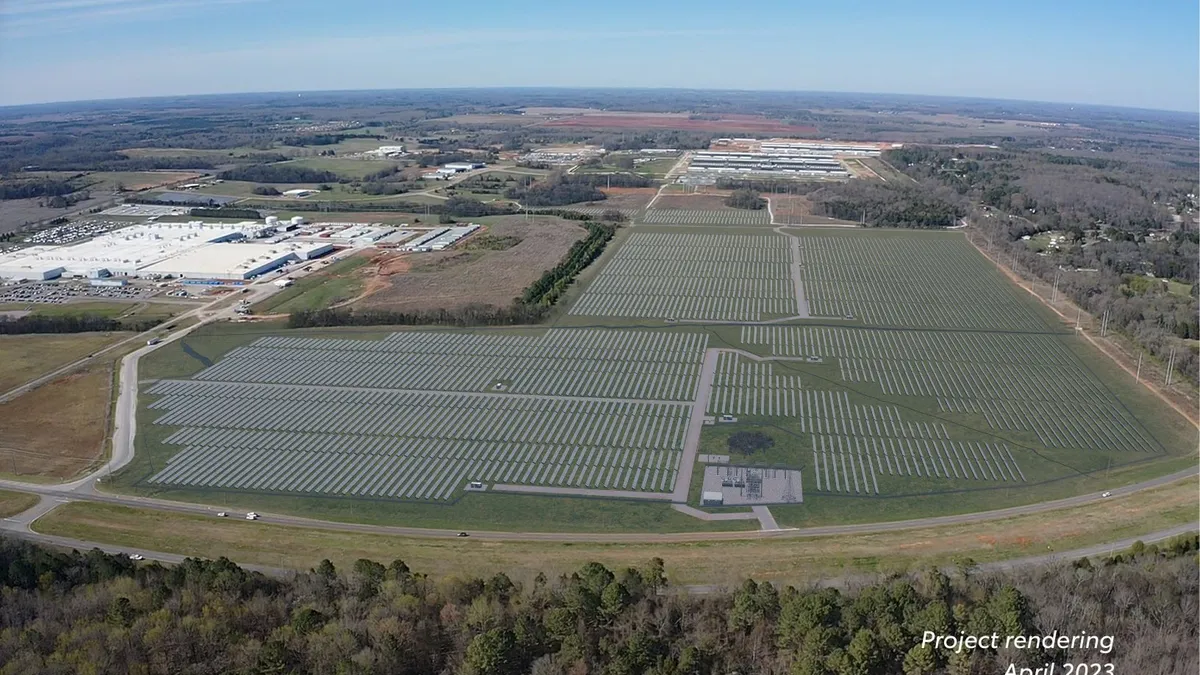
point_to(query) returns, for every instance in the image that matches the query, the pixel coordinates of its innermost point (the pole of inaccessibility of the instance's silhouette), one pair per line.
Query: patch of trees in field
(749, 442)
(560, 189)
(278, 173)
(372, 618)
(745, 198)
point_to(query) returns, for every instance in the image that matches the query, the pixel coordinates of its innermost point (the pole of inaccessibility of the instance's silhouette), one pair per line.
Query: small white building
(712, 499)
(300, 193)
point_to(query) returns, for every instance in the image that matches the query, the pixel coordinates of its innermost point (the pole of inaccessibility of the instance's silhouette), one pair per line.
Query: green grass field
(794, 561)
(27, 357)
(318, 290)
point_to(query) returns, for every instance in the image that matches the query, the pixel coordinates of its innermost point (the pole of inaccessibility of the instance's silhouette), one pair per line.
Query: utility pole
(1078, 314)
(1170, 366)
(1054, 293)
(1138, 377)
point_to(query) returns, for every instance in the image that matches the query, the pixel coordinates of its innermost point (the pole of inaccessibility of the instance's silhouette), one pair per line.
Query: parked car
(252, 516)
(136, 556)
(463, 534)
(222, 514)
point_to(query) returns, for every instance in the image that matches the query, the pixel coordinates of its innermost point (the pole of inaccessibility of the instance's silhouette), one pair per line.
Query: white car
(222, 514)
(136, 556)
(252, 516)
(1106, 494)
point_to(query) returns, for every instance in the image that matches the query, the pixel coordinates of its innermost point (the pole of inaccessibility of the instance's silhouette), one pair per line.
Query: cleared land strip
(582, 492)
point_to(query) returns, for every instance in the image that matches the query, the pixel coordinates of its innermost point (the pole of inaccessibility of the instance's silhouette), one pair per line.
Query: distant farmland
(726, 123)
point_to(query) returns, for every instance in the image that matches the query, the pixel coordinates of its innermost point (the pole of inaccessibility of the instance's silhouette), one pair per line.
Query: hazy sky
(1129, 53)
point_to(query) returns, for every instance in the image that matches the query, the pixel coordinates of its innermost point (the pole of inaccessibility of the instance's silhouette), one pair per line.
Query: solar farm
(705, 217)
(885, 365)
(418, 414)
(715, 277)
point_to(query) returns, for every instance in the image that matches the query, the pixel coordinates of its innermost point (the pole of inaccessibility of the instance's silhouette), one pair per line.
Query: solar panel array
(706, 217)
(852, 440)
(912, 281)
(418, 414)
(714, 277)
(1017, 382)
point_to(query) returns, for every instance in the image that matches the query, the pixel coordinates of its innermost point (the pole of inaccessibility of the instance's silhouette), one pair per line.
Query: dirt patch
(58, 429)
(450, 279)
(693, 202)
(627, 198)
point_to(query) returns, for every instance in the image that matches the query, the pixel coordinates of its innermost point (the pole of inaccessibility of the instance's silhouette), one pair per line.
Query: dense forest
(558, 189)
(104, 614)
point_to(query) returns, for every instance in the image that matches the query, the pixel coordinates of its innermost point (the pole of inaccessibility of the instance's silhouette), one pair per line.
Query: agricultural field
(568, 408)
(711, 277)
(27, 357)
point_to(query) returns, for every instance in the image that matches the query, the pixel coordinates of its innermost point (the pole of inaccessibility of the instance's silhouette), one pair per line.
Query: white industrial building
(193, 249)
(123, 252)
(385, 151)
(439, 239)
(300, 192)
(235, 261)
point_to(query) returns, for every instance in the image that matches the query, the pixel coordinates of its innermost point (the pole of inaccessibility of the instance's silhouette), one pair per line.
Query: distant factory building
(300, 193)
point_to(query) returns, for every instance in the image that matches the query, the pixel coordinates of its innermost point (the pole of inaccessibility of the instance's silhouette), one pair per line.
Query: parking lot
(147, 210)
(58, 293)
(73, 232)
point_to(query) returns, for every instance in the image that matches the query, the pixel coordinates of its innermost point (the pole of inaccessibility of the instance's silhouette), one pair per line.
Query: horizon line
(160, 97)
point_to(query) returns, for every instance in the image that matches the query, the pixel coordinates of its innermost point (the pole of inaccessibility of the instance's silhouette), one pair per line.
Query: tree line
(103, 614)
(550, 286)
(278, 173)
(41, 187)
(70, 323)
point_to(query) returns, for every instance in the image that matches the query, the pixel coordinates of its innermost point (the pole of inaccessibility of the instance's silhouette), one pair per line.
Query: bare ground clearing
(455, 278)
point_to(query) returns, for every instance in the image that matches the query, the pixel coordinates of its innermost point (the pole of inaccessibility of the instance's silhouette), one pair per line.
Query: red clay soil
(728, 123)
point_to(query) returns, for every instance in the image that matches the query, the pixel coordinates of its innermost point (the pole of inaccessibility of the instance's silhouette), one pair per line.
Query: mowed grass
(786, 560)
(348, 168)
(59, 429)
(12, 503)
(27, 357)
(319, 289)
